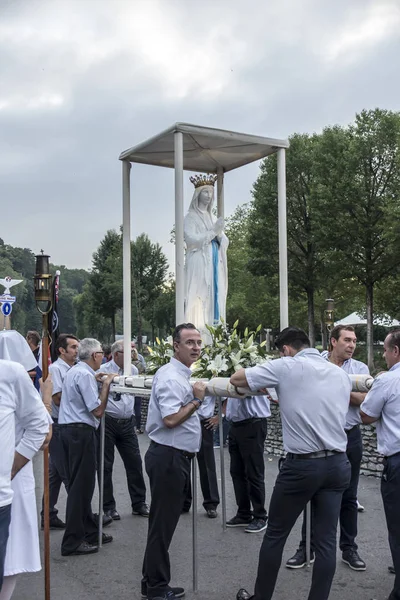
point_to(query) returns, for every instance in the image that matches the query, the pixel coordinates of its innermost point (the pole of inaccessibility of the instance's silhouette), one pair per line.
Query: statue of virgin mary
(206, 270)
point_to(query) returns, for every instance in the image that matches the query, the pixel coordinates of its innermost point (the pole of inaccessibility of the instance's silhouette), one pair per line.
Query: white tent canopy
(186, 147)
(355, 319)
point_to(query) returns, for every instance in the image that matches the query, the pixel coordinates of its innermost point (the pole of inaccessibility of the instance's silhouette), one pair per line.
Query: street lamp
(329, 313)
(43, 299)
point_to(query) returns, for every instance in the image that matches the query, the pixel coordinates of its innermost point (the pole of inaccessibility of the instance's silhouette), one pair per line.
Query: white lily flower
(218, 365)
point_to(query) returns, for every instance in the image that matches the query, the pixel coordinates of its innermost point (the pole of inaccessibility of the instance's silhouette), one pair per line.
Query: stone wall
(372, 461)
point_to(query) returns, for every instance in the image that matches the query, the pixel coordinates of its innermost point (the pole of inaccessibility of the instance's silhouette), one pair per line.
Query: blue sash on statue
(215, 246)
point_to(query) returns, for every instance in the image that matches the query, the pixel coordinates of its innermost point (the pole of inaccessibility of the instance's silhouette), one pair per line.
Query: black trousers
(169, 473)
(57, 474)
(207, 472)
(138, 412)
(390, 490)
(348, 510)
(5, 518)
(120, 434)
(323, 481)
(246, 449)
(79, 446)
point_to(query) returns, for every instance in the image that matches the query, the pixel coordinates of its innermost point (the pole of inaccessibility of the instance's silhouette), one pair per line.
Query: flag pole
(43, 292)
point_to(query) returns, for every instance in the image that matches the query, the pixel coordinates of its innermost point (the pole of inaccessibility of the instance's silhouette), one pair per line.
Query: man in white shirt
(66, 348)
(382, 406)
(313, 399)
(174, 429)
(342, 346)
(120, 433)
(18, 400)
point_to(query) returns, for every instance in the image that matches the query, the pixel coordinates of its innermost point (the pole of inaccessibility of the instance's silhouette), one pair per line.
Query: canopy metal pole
(179, 242)
(222, 461)
(194, 524)
(126, 264)
(282, 229)
(101, 478)
(220, 194)
(308, 533)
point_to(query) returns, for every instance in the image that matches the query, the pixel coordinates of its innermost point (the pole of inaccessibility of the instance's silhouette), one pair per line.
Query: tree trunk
(139, 329)
(311, 316)
(370, 326)
(324, 335)
(113, 326)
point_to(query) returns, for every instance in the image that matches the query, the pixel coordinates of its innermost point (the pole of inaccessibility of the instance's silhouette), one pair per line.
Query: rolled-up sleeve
(375, 399)
(89, 390)
(170, 395)
(31, 415)
(265, 375)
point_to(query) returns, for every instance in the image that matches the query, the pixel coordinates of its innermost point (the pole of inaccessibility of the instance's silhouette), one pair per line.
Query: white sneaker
(360, 507)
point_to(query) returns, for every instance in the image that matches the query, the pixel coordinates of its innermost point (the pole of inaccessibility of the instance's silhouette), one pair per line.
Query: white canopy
(355, 319)
(205, 149)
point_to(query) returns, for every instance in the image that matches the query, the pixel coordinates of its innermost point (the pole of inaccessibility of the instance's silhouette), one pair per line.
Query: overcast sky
(82, 80)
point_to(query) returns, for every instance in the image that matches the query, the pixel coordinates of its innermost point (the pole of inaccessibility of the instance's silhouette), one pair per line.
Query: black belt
(319, 454)
(55, 420)
(186, 454)
(248, 421)
(119, 420)
(83, 425)
(391, 455)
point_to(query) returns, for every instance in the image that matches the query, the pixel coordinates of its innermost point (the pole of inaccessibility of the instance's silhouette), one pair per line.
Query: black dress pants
(57, 474)
(390, 490)
(348, 510)
(246, 449)
(120, 434)
(79, 446)
(169, 474)
(207, 472)
(322, 480)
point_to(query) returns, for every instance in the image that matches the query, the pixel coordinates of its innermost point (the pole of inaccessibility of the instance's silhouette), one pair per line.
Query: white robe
(199, 278)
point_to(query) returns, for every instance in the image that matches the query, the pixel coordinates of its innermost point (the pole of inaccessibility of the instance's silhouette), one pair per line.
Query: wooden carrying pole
(46, 501)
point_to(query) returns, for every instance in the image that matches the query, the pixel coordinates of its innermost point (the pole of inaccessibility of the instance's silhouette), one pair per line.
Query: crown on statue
(200, 180)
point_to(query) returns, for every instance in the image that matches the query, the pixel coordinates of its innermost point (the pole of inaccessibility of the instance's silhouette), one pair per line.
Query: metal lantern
(43, 282)
(329, 313)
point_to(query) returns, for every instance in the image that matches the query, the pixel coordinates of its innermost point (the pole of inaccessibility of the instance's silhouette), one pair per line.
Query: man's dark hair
(394, 339)
(294, 337)
(33, 337)
(176, 336)
(336, 331)
(106, 349)
(62, 341)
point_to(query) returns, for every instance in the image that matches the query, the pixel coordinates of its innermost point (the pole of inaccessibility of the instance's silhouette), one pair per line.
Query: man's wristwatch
(199, 401)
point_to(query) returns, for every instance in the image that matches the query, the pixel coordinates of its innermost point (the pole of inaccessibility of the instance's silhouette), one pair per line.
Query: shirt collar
(181, 367)
(84, 364)
(309, 351)
(114, 367)
(396, 366)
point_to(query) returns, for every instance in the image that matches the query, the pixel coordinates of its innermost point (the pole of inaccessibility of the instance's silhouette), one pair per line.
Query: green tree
(359, 171)
(306, 259)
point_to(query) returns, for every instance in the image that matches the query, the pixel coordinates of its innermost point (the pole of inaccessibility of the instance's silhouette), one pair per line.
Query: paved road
(227, 560)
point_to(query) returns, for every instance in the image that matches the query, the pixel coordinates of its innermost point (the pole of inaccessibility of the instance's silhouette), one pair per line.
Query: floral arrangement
(227, 352)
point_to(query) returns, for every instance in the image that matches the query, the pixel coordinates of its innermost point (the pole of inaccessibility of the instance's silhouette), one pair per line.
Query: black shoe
(237, 521)
(391, 570)
(167, 596)
(256, 526)
(55, 523)
(299, 559)
(107, 538)
(351, 558)
(83, 548)
(142, 511)
(178, 592)
(185, 510)
(243, 595)
(107, 520)
(114, 514)
(211, 514)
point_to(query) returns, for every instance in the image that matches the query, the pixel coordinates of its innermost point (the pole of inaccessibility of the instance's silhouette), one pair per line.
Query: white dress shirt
(251, 407)
(57, 370)
(170, 391)
(19, 402)
(123, 408)
(383, 402)
(79, 396)
(313, 398)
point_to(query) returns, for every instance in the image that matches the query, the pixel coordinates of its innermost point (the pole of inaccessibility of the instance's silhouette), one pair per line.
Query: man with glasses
(80, 411)
(120, 434)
